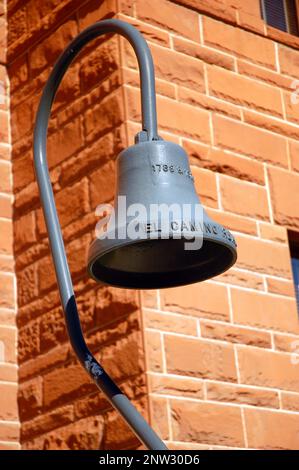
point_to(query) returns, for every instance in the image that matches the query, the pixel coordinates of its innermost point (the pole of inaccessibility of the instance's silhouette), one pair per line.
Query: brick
(7, 263)
(168, 65)
(22, 170)
(252, 8)
(24, 231)
(29, 342)
(76, 252)
(88, 159)
(210, 360)
(92, 12)
(240, 42)
(194, 98)
(102, 184)
(291, 108)
(150, 33)
(108, 302)
(85, 434)
(65, 142)
(287, 343)
(69, 89)
(280, 286)
(242, 395)
(269, 257)
(3, 40)
(117, 433)
(234, 222)
(251, 22)
(285, 207)
(9, 405)
(173, 116)
(125, 357)
(8, 336)
(27, 285)
(288, 60)
(149, 298)
(219, 9)
(104, 117)
(267, 369)
(10, 446)
(206, 54)
(52, 329)
(18, 72)
(66, 383)
(264, 310)
(43, 363)
(5, 182)
(30, 398)
(99, 64)
(244, 91)
(294, 154)
(4, 151)
(244, 198)
(48, 50)
(206, 423)
(168, 322)
(154, 351)
(205, 186)
(290, 401)
(46, 422)
(261, 73)
(18, 24)
(159, 416)
(177, 386)
(72, 202)
(131, 77)
(223, 161)
(250, 141)
(9, 431)
(234, 334)
(24, 116)
(90, 405)
(201, 300)
(175, 18)
(280, 127)
(4, 132)
(7, 294)
(273, 232)
(9, 372)
(272, 426)
(6, 239)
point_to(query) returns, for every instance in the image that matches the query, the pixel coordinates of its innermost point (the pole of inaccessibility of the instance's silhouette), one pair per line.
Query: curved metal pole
(95, 370)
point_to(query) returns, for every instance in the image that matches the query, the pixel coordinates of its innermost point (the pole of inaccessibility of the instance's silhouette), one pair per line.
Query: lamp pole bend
(149, 125)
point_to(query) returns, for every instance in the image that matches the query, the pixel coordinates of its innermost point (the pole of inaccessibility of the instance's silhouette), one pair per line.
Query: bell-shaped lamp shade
(160, 236)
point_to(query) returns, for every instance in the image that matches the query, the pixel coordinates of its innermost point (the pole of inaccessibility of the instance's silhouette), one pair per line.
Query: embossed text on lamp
(144, 263)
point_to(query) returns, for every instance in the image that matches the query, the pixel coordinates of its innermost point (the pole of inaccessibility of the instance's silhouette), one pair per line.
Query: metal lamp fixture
(152, 171)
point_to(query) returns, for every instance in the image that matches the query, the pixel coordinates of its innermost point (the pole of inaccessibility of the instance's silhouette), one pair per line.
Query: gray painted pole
(149, 125)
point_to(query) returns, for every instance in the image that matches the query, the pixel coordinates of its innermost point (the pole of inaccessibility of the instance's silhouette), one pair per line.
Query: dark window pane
(292, 18)
(274, 14)
(294, 250)
(281, 14)
(295, 267)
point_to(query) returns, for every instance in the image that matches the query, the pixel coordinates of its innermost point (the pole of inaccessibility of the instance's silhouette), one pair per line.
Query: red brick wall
(221, 371)
(59, 406)
(9, 421)
(214, 361)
